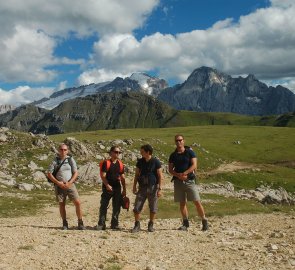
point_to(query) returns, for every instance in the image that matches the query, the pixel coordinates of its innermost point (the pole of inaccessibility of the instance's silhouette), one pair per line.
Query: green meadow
(269, 150)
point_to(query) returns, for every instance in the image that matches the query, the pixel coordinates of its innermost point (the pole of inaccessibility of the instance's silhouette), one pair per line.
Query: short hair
(147, 148)
(178, 135)
(114, 147)
(63, 144)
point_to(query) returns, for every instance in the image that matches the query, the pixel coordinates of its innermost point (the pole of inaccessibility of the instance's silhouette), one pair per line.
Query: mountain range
(208, 90)
(144, 101)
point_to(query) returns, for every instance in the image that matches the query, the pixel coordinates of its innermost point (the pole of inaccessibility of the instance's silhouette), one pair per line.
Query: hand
(68, 185)
(61, 185)
(159, 193)
(182, 176)
(134, 190)
(124, 193)
(109, 188)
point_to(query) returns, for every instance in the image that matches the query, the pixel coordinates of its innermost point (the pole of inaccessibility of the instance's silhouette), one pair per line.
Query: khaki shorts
(144, 193)
(61, 194)
(185, 191)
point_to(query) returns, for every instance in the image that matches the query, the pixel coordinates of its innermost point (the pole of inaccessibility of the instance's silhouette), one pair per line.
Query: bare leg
(200, 209)
(62, 210)
(77, 204)
(183, 210)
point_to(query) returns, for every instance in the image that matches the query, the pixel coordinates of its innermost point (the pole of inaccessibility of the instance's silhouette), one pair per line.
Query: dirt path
(239, 242)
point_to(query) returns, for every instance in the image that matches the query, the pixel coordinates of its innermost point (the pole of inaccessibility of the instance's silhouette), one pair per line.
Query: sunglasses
(117, 152)
(62, 149)
(180, 140)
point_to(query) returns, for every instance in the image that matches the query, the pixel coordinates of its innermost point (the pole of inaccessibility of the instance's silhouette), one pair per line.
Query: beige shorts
(61, 194)
(185, 191)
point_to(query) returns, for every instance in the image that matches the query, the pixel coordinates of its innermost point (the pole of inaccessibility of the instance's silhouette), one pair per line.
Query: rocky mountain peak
(205, 77)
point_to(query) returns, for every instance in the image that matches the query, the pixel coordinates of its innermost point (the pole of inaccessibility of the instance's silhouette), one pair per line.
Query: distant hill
(105, 111)
(119, 110)
(209, 90)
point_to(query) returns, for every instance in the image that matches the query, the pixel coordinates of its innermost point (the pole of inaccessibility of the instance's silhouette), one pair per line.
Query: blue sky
(46, 46)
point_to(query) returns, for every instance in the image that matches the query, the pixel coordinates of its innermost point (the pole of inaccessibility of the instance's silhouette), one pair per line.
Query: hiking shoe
(65, 225)
(184, 226)
(100, 227)
(81, 225)
(205, 225)
(151, 226)
(136, 227)
(115, 227)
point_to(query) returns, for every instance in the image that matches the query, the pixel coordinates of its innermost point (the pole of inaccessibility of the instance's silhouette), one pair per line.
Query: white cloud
(30, 31)
(99, 75)
(261, 43)
(24, 95)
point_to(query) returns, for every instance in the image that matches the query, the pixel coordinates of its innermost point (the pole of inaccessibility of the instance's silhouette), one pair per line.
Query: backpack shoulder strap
(121, 166)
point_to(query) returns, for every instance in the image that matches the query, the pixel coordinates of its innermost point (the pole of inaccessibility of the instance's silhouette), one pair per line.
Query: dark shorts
(185, 191)
(61, 194)
(144, 193)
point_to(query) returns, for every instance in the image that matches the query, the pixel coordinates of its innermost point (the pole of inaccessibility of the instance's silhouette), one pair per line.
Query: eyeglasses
(117, 152)
(62, 149)
(180, 140)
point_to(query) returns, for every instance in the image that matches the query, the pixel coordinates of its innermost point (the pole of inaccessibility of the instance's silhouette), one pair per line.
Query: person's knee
(77, 203)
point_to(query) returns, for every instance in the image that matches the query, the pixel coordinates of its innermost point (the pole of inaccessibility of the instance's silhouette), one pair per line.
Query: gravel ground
(265, 241)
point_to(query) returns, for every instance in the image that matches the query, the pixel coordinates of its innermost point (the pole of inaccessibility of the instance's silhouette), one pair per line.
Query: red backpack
(108, 164)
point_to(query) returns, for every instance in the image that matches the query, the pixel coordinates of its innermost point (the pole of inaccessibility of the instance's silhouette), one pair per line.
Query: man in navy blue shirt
(182, 166)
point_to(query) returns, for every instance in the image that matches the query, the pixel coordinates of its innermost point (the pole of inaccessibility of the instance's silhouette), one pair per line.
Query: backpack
(108, 164)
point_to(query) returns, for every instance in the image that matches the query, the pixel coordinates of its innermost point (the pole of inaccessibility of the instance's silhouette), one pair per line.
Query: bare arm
(105, 181)
(135, 181)
(192, 168)
(123, 182)
(160, 179)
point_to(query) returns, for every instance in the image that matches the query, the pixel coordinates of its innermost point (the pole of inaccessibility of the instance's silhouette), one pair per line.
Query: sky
(49, 45)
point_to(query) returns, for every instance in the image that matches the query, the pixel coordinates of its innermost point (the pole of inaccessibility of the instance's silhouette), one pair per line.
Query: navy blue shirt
(182, 161)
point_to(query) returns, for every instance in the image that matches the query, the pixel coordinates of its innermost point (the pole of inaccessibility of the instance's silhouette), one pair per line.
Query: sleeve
(192, 154)
(73, 164)
(52, 166)
(104, 166)
(138, 163)
(158, 164)
(171, 158)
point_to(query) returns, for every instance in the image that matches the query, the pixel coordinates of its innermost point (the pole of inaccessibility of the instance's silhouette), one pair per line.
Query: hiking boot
(115, 227)
(81, 225)
(65, 225)
(184, 226)
(151, 226)
(136, 227)
(205, 225)
(100, 227)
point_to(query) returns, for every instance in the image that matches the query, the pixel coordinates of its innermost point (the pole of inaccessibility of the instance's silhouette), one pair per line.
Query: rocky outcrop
(208, 90)
(6, 108)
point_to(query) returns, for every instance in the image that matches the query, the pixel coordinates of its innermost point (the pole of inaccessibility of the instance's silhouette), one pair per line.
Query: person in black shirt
(148, 176)
(113, 181)
(182, 165)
